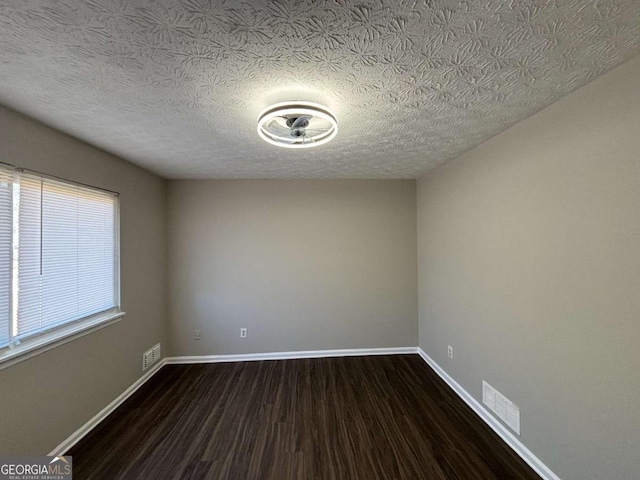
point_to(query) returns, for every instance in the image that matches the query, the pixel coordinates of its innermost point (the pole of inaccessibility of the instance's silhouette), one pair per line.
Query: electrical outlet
(450, 351)
(243, 333)
(197, 334)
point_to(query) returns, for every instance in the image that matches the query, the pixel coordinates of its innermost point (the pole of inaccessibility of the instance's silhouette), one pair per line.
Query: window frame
(57, 335)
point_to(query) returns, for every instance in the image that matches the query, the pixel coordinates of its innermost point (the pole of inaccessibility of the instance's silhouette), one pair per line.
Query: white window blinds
(6, 193)
(64, 264)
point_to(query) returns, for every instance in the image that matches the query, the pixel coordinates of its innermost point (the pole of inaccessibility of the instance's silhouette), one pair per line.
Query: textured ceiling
(176, 86)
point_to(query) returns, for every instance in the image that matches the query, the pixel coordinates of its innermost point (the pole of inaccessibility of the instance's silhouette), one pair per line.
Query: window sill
(43, 343)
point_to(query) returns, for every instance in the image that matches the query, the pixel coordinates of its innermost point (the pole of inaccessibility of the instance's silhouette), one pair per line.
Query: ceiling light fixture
(297, 124)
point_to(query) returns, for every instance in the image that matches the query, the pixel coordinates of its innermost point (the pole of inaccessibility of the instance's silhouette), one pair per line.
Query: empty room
(319, 240)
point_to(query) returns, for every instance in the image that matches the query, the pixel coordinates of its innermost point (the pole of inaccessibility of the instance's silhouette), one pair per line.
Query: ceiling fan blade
(317, 130)
(281, 121)
(301, 121)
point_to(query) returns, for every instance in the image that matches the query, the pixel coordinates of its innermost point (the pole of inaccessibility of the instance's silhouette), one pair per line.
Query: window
(58, 258)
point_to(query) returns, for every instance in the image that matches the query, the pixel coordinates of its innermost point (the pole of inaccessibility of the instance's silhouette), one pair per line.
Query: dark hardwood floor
(384, 417)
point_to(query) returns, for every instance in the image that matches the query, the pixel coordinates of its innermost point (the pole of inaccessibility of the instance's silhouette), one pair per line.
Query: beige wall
(304, 265)
(46, 398)
(529, 266)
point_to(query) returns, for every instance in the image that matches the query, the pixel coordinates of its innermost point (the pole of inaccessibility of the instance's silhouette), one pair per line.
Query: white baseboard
(253, 357)
(509, 438)
(102, 414)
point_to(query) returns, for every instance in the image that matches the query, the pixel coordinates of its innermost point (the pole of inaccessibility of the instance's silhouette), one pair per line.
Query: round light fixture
(297, 125)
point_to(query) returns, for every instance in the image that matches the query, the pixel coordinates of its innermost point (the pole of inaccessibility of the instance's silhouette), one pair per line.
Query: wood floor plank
(378, 417)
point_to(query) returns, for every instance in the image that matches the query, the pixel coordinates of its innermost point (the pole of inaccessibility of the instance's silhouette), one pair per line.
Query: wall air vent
(151, 356)
(505, 410)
